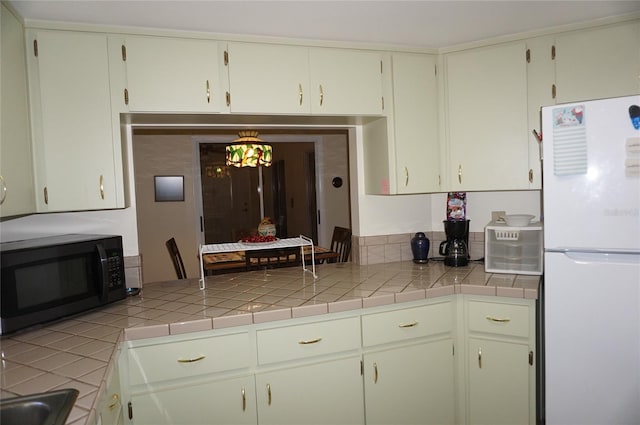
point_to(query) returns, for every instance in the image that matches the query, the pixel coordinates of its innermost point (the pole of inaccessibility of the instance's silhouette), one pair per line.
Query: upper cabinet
(285, 79)
(78, 159)
(598, 63)
(345, 82)
(402, 153)
(486, 114)
(16, 169)
(174, 75)
(269, 78)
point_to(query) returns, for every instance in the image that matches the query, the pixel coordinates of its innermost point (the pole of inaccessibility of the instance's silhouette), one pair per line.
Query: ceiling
(413, 24)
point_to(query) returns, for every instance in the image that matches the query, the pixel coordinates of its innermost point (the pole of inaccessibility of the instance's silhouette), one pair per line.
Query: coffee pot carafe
(456, 249)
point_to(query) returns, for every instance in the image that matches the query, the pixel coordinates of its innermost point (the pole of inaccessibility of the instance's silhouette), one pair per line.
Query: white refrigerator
(591, 210)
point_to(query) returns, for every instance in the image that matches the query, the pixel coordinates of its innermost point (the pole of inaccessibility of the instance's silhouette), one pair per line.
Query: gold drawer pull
(498, 319)
(115, 400)
(375, 373)
(101, 186)
(309, 341)
(408, 325)
(195, 359)
(269, 394)
(244, 400)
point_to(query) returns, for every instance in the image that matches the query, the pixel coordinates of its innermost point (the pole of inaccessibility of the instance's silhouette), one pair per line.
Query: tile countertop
(76, 352)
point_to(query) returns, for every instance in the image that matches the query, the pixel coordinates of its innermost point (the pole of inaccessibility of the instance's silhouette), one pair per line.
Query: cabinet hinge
(553, 91)
(35, 48)
(361, 368)
(528, 55)
(553, 52)
(130, 407)
(531, 358)
(226, 58)
(124, 53)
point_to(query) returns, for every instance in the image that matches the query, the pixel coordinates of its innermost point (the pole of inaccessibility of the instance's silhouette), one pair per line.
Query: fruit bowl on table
(258, 240)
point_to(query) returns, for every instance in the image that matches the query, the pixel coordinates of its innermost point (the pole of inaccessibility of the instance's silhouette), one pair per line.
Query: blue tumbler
(420, 248)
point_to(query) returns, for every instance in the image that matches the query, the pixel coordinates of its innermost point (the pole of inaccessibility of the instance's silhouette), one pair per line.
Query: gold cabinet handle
(321, 95)
(195, 359)
(460, 173)
(530, 175)
(498, 319)
(208, 92)
(115, 400)
(46, 196)
(126, 96)
(406, 176)
(408, 325)
(375, 373)
(244, 400)
(269, 394)
(3, 188)
(228, 97)
(101, 187)
(309, 341)
(300, 94)
(480, 357)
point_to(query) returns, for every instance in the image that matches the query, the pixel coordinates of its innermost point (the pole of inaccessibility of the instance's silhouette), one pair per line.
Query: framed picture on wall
(169, 188)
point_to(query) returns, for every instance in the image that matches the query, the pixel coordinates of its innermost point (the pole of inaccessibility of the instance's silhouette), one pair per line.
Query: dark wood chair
(176, 258)
(341, 243)
(272, 258)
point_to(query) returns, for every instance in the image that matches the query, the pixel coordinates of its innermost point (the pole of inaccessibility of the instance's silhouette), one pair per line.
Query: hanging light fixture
(248, 151)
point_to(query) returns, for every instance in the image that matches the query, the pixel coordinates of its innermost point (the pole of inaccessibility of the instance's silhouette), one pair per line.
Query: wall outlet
(495, 215)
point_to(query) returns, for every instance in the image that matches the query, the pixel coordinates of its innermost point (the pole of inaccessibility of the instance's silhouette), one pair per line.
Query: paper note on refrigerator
(569, 141)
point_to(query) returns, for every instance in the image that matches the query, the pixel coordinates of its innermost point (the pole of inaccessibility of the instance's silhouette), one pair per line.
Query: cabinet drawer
(496, 318)
(183, 359)
(313, 339)
(398, 325)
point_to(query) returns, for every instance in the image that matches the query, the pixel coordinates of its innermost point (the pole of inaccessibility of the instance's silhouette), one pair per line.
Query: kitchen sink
(50, 408)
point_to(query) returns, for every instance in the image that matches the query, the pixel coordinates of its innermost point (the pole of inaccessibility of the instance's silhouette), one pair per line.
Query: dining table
(221, 258)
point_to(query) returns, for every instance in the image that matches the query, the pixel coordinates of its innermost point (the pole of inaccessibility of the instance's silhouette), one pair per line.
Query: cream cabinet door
(410, 385)
(175, 75)
(327, 392)
(345, 82)
(486, 114)
(77, 155)
(16, 167)
(415, 120)
(498, 382)
(598, 63)
(268, 78)
(224, 402)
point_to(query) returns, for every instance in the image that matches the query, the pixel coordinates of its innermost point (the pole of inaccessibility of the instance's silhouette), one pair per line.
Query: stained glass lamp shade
(248, 151)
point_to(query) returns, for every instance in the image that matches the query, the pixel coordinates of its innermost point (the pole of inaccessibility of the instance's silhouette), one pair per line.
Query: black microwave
(47, 278)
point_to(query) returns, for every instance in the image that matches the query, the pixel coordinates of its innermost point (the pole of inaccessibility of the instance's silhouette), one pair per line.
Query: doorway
(235, 200)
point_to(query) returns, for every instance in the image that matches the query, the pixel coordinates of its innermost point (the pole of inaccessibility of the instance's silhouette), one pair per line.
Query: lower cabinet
(500, 365)
(324, 393)
(410, 385)
(226, 401)
(457, 359)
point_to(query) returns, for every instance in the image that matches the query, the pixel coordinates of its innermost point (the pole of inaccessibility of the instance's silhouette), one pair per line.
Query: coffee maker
(456, 248)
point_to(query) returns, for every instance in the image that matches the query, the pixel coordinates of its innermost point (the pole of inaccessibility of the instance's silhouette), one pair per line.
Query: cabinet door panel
(225, 402)
(498, 389)
(598, 63)
(174, 75)
(345, 82)
(410, 385)
(323, 393)
(74, 143)
(267, 78)
(416, 123)
(487, 118)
